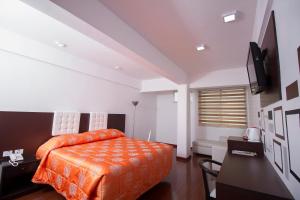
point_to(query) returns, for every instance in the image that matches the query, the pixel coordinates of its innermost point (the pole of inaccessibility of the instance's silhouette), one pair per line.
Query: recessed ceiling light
(117, 67)
(201, 47)
(230, 16)
(60, 44)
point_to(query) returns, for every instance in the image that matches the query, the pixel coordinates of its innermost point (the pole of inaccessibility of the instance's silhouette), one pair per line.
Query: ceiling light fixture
(60, 44)
(117, 67)
(201, 47)
(230, 16)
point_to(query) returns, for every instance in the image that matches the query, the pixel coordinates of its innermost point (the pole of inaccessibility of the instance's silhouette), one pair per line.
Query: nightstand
(15, 181)
(238, 143)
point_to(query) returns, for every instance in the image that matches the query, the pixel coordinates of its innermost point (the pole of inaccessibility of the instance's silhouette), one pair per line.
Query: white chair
(209, 177)
(149, 136)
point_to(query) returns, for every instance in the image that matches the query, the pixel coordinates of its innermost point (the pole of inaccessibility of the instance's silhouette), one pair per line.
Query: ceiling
(176, 27)
(29, 22)
(173, 27)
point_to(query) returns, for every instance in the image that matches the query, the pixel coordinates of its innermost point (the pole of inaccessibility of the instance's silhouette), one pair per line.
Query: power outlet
(7, 153)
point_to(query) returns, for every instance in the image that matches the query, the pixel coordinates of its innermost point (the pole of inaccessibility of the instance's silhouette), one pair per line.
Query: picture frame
(292, 118)
(259, 121)
(270, 115)
(277, 149)
(278, 122)
(298, 50)
(263, 123)
(264, 142)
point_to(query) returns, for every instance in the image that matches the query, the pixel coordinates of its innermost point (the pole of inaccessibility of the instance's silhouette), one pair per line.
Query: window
(223, 107)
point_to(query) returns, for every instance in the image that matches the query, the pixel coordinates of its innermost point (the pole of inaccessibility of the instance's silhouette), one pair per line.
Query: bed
(102, 165)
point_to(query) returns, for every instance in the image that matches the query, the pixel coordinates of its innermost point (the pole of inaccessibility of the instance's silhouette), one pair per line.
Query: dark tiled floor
(183, 183)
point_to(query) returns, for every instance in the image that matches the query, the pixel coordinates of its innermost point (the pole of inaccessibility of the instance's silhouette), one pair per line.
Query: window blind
(223, 107)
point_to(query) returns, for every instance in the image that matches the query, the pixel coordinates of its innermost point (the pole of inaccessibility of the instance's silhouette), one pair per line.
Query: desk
(249, 178)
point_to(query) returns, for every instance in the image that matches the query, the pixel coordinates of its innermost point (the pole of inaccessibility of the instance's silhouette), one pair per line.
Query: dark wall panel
(272, 65)
(84, 122)
(24, 130)
(116, 121)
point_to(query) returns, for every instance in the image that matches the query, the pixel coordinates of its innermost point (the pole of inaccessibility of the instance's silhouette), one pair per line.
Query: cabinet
(16, 181)
(238, 143)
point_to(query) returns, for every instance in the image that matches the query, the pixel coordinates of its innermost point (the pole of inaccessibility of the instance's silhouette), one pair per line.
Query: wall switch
(7, 153)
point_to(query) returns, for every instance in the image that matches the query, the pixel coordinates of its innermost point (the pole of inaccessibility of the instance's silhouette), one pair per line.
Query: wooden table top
(252, 174)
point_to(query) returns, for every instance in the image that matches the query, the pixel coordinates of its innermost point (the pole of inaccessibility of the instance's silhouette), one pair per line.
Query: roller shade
(223, 107)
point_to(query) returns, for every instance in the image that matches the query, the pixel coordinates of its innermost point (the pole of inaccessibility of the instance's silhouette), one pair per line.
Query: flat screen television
(256, 69)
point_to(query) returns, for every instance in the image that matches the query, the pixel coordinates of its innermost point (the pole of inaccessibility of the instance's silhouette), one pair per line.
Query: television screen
(256, 71)
(251, 72)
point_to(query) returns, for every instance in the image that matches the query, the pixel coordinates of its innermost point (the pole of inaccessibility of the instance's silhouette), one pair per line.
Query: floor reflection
(183, 183)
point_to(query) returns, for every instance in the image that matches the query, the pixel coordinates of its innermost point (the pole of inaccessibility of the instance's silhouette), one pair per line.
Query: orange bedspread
(102, 165)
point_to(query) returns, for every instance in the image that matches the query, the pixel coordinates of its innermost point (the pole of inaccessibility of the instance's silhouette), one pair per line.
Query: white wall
(166, 118)
(253, 109)
(287, 17)
(29, 84)
(216, 133)
(261, 7)
(194, 116)
(183, 121)
(222, 78)
(24, 46)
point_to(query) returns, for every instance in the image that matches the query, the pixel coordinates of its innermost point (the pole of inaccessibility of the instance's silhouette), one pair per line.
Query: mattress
(102, 164)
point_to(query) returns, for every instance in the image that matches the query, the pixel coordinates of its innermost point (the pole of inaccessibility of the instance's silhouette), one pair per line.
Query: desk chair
(209, 178)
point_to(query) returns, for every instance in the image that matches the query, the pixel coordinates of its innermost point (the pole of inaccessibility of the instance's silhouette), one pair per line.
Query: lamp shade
(135, 103)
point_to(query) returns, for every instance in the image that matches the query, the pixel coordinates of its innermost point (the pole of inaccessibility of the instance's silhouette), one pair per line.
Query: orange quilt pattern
(102, 165)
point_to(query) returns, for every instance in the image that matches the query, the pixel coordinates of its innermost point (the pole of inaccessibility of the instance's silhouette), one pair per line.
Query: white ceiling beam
(158, 85)
(98, 22)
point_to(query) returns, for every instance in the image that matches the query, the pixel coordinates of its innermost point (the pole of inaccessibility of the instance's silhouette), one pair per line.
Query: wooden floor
(183, 183)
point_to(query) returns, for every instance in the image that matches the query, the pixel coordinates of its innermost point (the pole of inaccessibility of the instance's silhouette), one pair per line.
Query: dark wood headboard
(29, 130)
(26, 130)
(116, 121)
